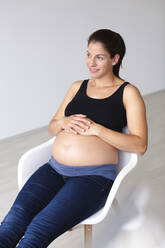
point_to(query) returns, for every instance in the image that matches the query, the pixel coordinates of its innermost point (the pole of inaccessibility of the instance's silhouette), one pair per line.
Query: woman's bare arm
(137, 140)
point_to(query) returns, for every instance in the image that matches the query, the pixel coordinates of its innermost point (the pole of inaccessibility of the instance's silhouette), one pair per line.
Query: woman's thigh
(39, 189)
(79, 198)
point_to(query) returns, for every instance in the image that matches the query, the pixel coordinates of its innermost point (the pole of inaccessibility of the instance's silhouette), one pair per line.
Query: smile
(93, 70)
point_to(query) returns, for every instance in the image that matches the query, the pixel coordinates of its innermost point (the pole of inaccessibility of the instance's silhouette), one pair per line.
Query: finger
(80, 125)
(77, 127)
(85, 121)
(67, 129)
(72, 127)
(81, 114)
(73, 131)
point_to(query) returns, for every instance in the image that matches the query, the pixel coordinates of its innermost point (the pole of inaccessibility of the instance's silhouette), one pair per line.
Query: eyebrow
(97, 54)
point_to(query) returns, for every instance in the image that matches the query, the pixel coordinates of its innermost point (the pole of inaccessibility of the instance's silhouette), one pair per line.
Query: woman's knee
(17, 218)
(13, 227)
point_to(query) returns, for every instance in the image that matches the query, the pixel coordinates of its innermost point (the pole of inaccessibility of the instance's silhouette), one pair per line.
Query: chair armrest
(31, 160)
(102, 213)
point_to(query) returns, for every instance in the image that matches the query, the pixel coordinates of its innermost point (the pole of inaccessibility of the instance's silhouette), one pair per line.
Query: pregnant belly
(75, 149)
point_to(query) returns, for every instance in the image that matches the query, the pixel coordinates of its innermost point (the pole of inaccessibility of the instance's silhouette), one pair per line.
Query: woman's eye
(101, 58)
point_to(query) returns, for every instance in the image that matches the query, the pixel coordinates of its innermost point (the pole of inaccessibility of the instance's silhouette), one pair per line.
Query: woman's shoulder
(79, 82)
(130, 88)
(76, 85)
(131, 93)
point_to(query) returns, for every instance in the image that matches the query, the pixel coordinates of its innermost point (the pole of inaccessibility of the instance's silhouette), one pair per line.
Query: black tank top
(109, 111)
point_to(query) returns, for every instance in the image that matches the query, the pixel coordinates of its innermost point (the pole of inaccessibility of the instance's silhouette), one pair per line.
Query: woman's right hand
(75, 123)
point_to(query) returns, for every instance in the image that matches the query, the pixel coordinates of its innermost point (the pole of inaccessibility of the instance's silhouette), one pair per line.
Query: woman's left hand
(79, 128)
(91, 130)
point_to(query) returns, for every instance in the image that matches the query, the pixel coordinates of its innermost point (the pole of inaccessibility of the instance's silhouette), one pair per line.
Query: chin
(97, 77)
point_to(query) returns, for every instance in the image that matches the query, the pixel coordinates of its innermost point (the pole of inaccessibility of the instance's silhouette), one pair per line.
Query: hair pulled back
(112, 42)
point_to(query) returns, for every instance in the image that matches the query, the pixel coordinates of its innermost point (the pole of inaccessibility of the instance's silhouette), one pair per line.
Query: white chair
(39, 155)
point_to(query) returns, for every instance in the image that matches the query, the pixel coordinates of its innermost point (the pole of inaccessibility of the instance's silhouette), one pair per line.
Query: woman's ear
(115, 59)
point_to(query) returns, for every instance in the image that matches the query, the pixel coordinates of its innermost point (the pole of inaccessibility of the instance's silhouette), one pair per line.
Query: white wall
(43, 46)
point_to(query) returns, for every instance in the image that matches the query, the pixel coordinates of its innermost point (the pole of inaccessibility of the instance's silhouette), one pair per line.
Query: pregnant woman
(77, 179)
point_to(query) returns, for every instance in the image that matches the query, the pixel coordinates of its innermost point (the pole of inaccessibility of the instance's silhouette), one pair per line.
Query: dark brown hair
(112, 42)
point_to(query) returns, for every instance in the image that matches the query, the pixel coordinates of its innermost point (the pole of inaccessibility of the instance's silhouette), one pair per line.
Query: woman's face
(98, 60)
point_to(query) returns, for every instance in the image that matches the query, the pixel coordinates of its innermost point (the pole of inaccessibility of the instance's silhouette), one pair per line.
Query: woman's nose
(92, 62)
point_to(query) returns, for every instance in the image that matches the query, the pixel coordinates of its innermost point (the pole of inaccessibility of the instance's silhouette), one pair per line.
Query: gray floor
(150, 169)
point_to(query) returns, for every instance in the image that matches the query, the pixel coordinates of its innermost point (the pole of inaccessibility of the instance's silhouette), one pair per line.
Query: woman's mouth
(93, 70)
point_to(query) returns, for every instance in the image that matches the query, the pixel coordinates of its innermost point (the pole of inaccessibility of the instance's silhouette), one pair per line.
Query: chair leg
(88, 236)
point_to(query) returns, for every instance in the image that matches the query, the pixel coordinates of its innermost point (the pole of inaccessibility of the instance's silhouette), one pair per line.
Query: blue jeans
(49, 204)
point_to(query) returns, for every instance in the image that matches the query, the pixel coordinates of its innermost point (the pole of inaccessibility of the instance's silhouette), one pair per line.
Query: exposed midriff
(76, 149)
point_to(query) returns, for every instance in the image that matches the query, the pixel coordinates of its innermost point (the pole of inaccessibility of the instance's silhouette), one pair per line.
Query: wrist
(98, 128)
(61, 123)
